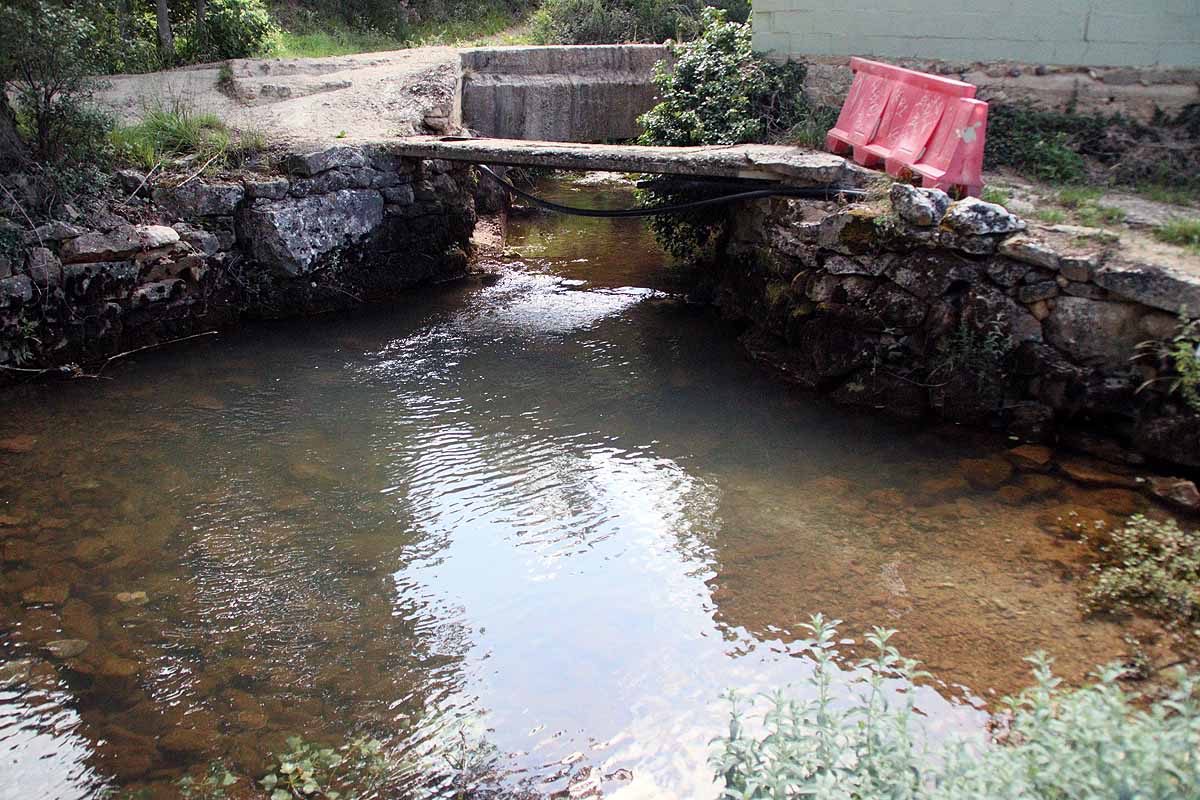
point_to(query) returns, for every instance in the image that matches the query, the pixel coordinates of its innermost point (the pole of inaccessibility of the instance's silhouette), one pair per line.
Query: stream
(531, 529)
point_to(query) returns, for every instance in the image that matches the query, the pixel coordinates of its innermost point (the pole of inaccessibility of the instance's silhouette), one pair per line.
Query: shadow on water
(559, 514)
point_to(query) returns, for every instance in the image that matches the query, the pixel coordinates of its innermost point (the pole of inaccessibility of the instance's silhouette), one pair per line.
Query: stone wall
(590, 93)
(1084, 32)
(923, 308)
(319, 231)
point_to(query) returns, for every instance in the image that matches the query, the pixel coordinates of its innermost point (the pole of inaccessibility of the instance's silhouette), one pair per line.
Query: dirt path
(306, 101)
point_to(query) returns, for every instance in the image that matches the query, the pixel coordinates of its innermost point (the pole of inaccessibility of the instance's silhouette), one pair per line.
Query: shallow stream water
(541, 524)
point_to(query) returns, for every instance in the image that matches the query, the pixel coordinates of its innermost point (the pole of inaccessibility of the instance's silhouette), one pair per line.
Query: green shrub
(1046, 145)
(854, 740)
(616, 21)
(47, 55)
(1179, 358)
(231, 29)
(1150, 565)
(717, 92)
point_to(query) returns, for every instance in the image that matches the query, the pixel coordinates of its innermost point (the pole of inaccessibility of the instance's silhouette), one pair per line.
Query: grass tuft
(1182, 232)
(172, 129)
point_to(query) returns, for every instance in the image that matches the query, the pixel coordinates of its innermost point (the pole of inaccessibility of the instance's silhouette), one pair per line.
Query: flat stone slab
(793, 166)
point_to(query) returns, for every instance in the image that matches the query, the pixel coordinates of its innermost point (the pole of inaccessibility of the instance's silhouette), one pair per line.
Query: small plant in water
(854, 740)
(213, 786)
(354, 770)
(1150, 565)
(976, 352)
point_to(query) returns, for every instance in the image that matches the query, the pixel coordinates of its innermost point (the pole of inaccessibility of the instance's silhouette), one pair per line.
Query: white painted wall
(1086, 32)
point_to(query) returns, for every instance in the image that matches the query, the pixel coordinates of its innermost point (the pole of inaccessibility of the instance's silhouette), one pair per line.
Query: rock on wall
(590, 93)
(932, 308)
(326, 230)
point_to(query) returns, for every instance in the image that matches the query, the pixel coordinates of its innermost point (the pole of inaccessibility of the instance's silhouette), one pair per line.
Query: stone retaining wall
(325, 230)
(921, 307)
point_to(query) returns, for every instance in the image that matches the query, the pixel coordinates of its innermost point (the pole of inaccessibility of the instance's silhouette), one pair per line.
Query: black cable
(784, 191)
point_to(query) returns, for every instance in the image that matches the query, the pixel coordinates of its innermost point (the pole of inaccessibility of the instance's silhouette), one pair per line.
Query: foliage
(47, 54)
(1182, 232)
(354, 770)
(967, 351)
(1153, 566)
(1180, 357)
(717, 92)
(230, 29)
(172, 128)
(993, 194)
(212, 786)
(617, 21)
(856, 741)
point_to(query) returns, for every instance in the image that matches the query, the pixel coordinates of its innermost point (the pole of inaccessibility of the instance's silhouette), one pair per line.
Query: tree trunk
(166, 41)
(200, 27)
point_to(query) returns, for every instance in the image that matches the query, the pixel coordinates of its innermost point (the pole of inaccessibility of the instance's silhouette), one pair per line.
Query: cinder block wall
(1083, 32)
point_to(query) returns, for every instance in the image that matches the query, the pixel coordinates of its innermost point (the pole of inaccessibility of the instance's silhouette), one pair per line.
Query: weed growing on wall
(857, 735)
(1150, 565)
(1179, 357)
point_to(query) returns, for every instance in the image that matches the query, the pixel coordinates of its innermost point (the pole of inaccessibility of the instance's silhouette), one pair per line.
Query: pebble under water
(548, 521)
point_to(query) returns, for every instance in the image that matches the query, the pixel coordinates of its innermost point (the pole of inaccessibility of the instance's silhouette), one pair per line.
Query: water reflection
(558, 511)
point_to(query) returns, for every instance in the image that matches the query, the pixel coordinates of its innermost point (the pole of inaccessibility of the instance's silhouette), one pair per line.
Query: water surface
(555, 518)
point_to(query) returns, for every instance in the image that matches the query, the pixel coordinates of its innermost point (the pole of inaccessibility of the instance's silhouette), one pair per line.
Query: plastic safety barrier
(915, 125)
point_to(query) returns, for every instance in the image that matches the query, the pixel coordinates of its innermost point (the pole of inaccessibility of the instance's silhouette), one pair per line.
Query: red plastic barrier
(915, 124)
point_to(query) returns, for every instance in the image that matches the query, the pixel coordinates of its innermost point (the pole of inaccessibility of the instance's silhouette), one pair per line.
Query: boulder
(15, 290)
(916, 206)
(1175, 492)
(1153, 286)
(1095, 332)
(43, 267)
(928, 273)
(1174, 438)
(122, 242)
(985, 473)
(1028, 250)
(66, 648)
(198, 199)
(292, 235)
(1079, 267)
(985, 308)
(1006, 272)
(15, 673)
(309, 164)
(1033, 292)
(974, 217)
(1031, 457)
(53, 232)
(267, 189)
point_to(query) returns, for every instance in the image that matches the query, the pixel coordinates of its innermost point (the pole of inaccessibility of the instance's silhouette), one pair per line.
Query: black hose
(646, 211)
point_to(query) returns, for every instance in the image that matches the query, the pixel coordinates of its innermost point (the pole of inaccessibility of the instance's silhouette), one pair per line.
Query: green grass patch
(1174, 195)
(1097, 216)
(1050, 216)
(334, 42)
(1076, 196)
(1182, 232)
(994, 194)
(172, 129)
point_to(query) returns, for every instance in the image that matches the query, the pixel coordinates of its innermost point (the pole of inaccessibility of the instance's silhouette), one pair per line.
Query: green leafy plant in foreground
(1093, 742)
(1151, 565)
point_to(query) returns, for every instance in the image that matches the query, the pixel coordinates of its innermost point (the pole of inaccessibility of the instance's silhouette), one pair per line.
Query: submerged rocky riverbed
(524, 533)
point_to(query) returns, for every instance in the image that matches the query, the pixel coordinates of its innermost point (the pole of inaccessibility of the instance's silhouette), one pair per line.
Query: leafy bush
(47, 54)
(1094, 742)
(1150, 565)
(231, 29)
(616, 21)
(717, 92)
(1180, 359)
